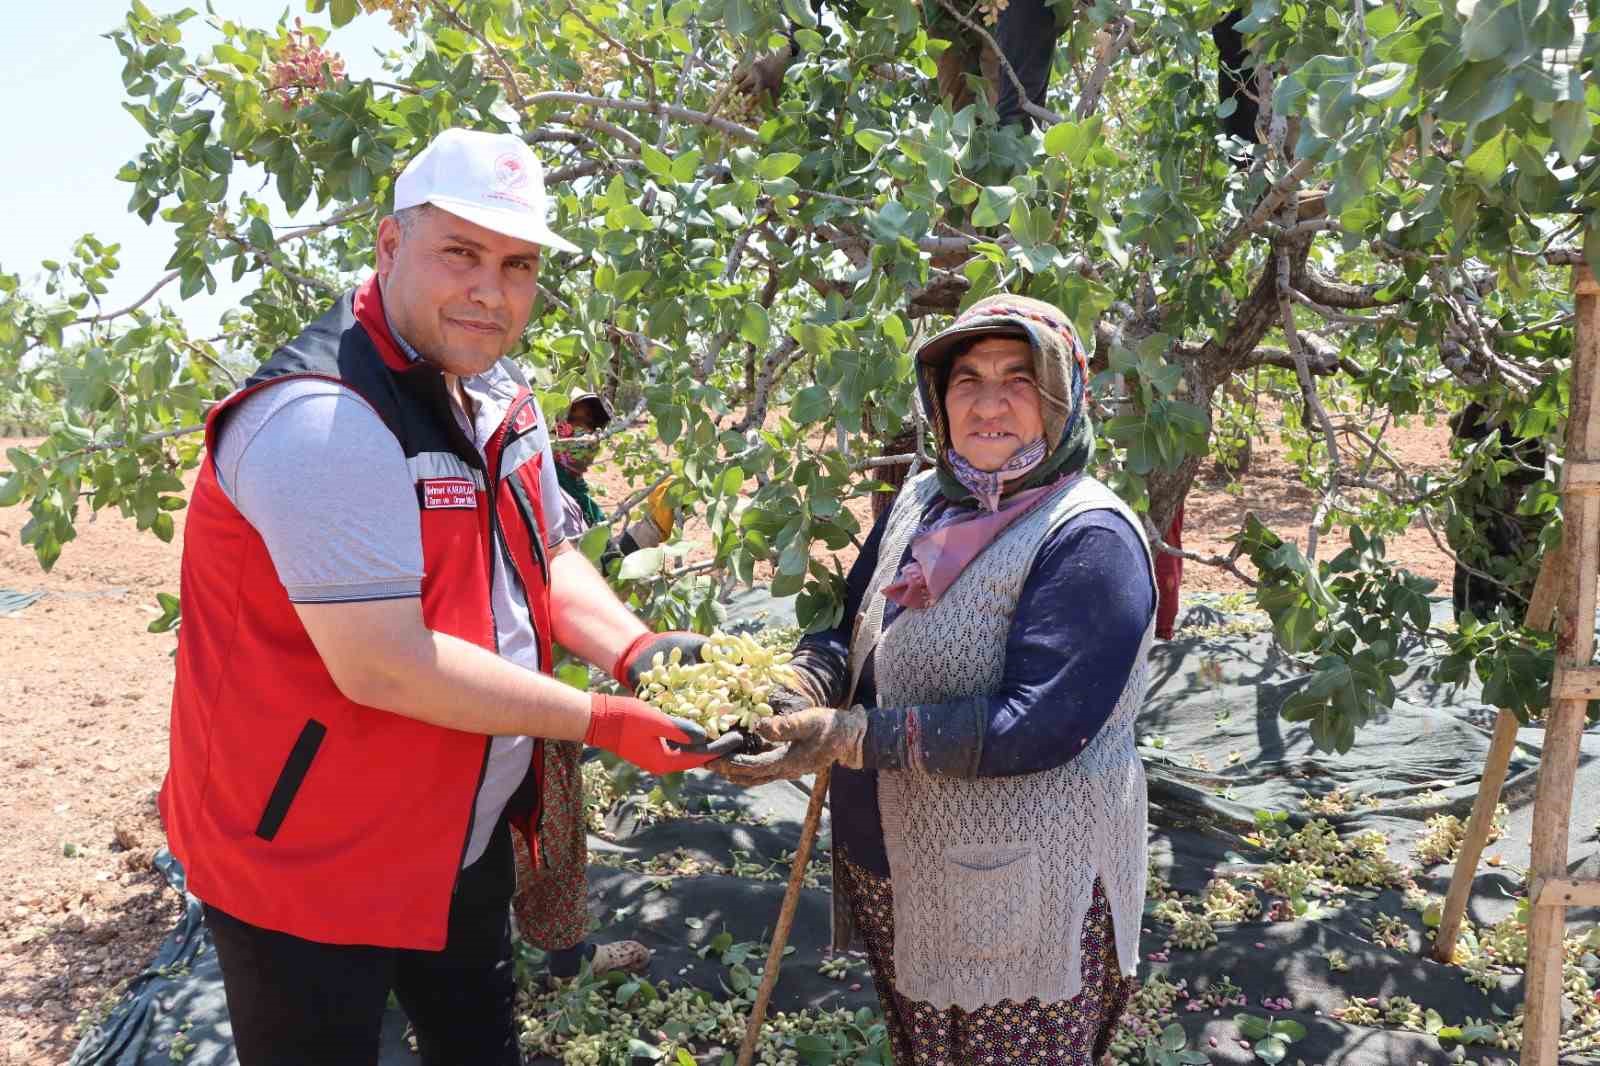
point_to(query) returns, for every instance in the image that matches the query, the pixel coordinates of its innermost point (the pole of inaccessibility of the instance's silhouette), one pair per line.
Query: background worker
(551, 901)
(1025, 30)
(375, 567)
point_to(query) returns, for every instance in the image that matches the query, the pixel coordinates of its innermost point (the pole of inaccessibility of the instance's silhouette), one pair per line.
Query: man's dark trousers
(1026, 33)
(297, 1001)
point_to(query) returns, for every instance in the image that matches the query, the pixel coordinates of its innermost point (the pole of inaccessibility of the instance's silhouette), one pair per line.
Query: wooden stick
(1495, 766)
(791, 899)
(1558, 764)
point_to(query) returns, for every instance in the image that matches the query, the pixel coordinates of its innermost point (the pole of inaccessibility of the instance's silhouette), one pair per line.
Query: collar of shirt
(400, 342)
(491, 392)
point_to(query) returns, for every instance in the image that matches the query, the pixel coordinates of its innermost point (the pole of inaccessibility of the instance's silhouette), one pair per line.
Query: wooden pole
(1494, 776)
(1558, 764)
(791, 899)
(1495, 766)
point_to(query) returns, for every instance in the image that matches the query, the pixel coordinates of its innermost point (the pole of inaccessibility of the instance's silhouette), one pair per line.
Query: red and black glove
(637, 731)
(640, 655)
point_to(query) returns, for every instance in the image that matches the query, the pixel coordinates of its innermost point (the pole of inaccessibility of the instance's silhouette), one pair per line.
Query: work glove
(808, 741)
(656, 524)
(640, 655)
(821, 678)
(764, 75)
(638, 732)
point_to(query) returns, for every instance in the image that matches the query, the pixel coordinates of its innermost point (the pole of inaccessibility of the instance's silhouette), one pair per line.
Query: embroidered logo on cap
(510, 179)
(453, 493)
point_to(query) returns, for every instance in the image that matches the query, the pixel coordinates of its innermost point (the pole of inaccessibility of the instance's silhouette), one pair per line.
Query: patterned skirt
(1074, 1032)
(550, 904)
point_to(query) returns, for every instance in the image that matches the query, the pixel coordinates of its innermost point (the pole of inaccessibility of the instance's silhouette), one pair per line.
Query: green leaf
(1289, 1029)
(686, 166)
(1253, 1027)
(792, 562)
(657, 162)
(871, 140)
(573, 674)
(641, 564)
(777, 165)
(1073, 140)
(594, 540)
(754, 325)
(638, 1049)
(1272, 1050)
(994, 205)
(814, 1049)
(1492, 28)
(811, 404)
(629, 285)
(1383, 80)
(342, 11)
(1571, 126)
(11, 491)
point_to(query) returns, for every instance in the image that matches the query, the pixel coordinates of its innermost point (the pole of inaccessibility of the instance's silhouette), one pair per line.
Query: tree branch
(1308, 390)
(680, 114)
(772, 368)
(1227, 562)
(1042, 114)
(166, 279)
(1331, 292)
(1107, 46)
(1271, 202)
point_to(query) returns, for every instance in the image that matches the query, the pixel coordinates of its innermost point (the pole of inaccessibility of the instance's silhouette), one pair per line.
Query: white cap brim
(518, 224)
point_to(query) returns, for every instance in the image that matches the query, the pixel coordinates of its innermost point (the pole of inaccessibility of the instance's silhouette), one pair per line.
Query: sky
(66, 136)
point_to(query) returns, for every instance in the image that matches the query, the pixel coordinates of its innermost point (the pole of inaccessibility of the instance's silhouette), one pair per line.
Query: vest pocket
(290, 778)
(993, 896)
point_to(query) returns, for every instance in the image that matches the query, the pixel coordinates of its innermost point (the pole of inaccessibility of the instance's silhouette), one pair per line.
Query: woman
(988, 805)
(551, 901)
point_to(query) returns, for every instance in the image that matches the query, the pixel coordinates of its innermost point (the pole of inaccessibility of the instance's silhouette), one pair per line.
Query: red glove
(636, 657)
(637, 731)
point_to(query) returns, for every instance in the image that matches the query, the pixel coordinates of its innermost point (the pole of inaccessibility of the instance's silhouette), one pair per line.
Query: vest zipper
(468, 451)
(497, 543)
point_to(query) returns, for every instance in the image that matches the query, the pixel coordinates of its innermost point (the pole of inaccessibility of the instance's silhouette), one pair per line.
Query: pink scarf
(953, 538)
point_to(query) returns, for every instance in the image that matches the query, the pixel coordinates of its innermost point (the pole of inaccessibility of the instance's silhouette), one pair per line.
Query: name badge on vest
(450, 493)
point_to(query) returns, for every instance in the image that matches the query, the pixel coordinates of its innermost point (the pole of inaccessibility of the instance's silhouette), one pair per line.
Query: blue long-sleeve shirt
(1072, 644)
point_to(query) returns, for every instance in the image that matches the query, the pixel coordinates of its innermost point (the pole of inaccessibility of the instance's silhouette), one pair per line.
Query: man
(374, 570)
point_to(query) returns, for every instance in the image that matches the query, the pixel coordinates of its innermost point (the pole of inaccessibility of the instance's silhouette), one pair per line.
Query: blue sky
(66, 135)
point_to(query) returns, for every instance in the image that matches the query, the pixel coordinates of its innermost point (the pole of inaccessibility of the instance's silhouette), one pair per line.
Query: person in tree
(551, 902)
(977, 705)
(1025, 30)
(1486, 532)
(375, 570)
(590, 413)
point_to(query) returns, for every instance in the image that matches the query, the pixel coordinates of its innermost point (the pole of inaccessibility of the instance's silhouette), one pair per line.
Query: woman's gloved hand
(808, 741)
(820, 680)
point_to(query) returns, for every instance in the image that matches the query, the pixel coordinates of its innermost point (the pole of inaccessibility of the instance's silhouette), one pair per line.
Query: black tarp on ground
(1215, 751)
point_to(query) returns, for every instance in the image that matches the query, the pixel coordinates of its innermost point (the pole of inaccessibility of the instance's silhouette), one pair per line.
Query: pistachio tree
(1392, 236)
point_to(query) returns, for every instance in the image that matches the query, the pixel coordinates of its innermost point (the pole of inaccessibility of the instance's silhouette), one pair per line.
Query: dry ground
(83, 721)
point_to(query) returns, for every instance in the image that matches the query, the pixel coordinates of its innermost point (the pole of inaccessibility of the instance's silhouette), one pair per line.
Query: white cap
(491, 179)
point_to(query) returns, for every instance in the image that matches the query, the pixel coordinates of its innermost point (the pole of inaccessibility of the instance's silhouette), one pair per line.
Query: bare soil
(84, 693)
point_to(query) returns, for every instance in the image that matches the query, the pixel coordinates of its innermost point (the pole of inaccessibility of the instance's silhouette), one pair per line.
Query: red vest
(290, 806)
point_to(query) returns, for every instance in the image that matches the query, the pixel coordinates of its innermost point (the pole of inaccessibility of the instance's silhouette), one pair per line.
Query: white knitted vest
(993, 876)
